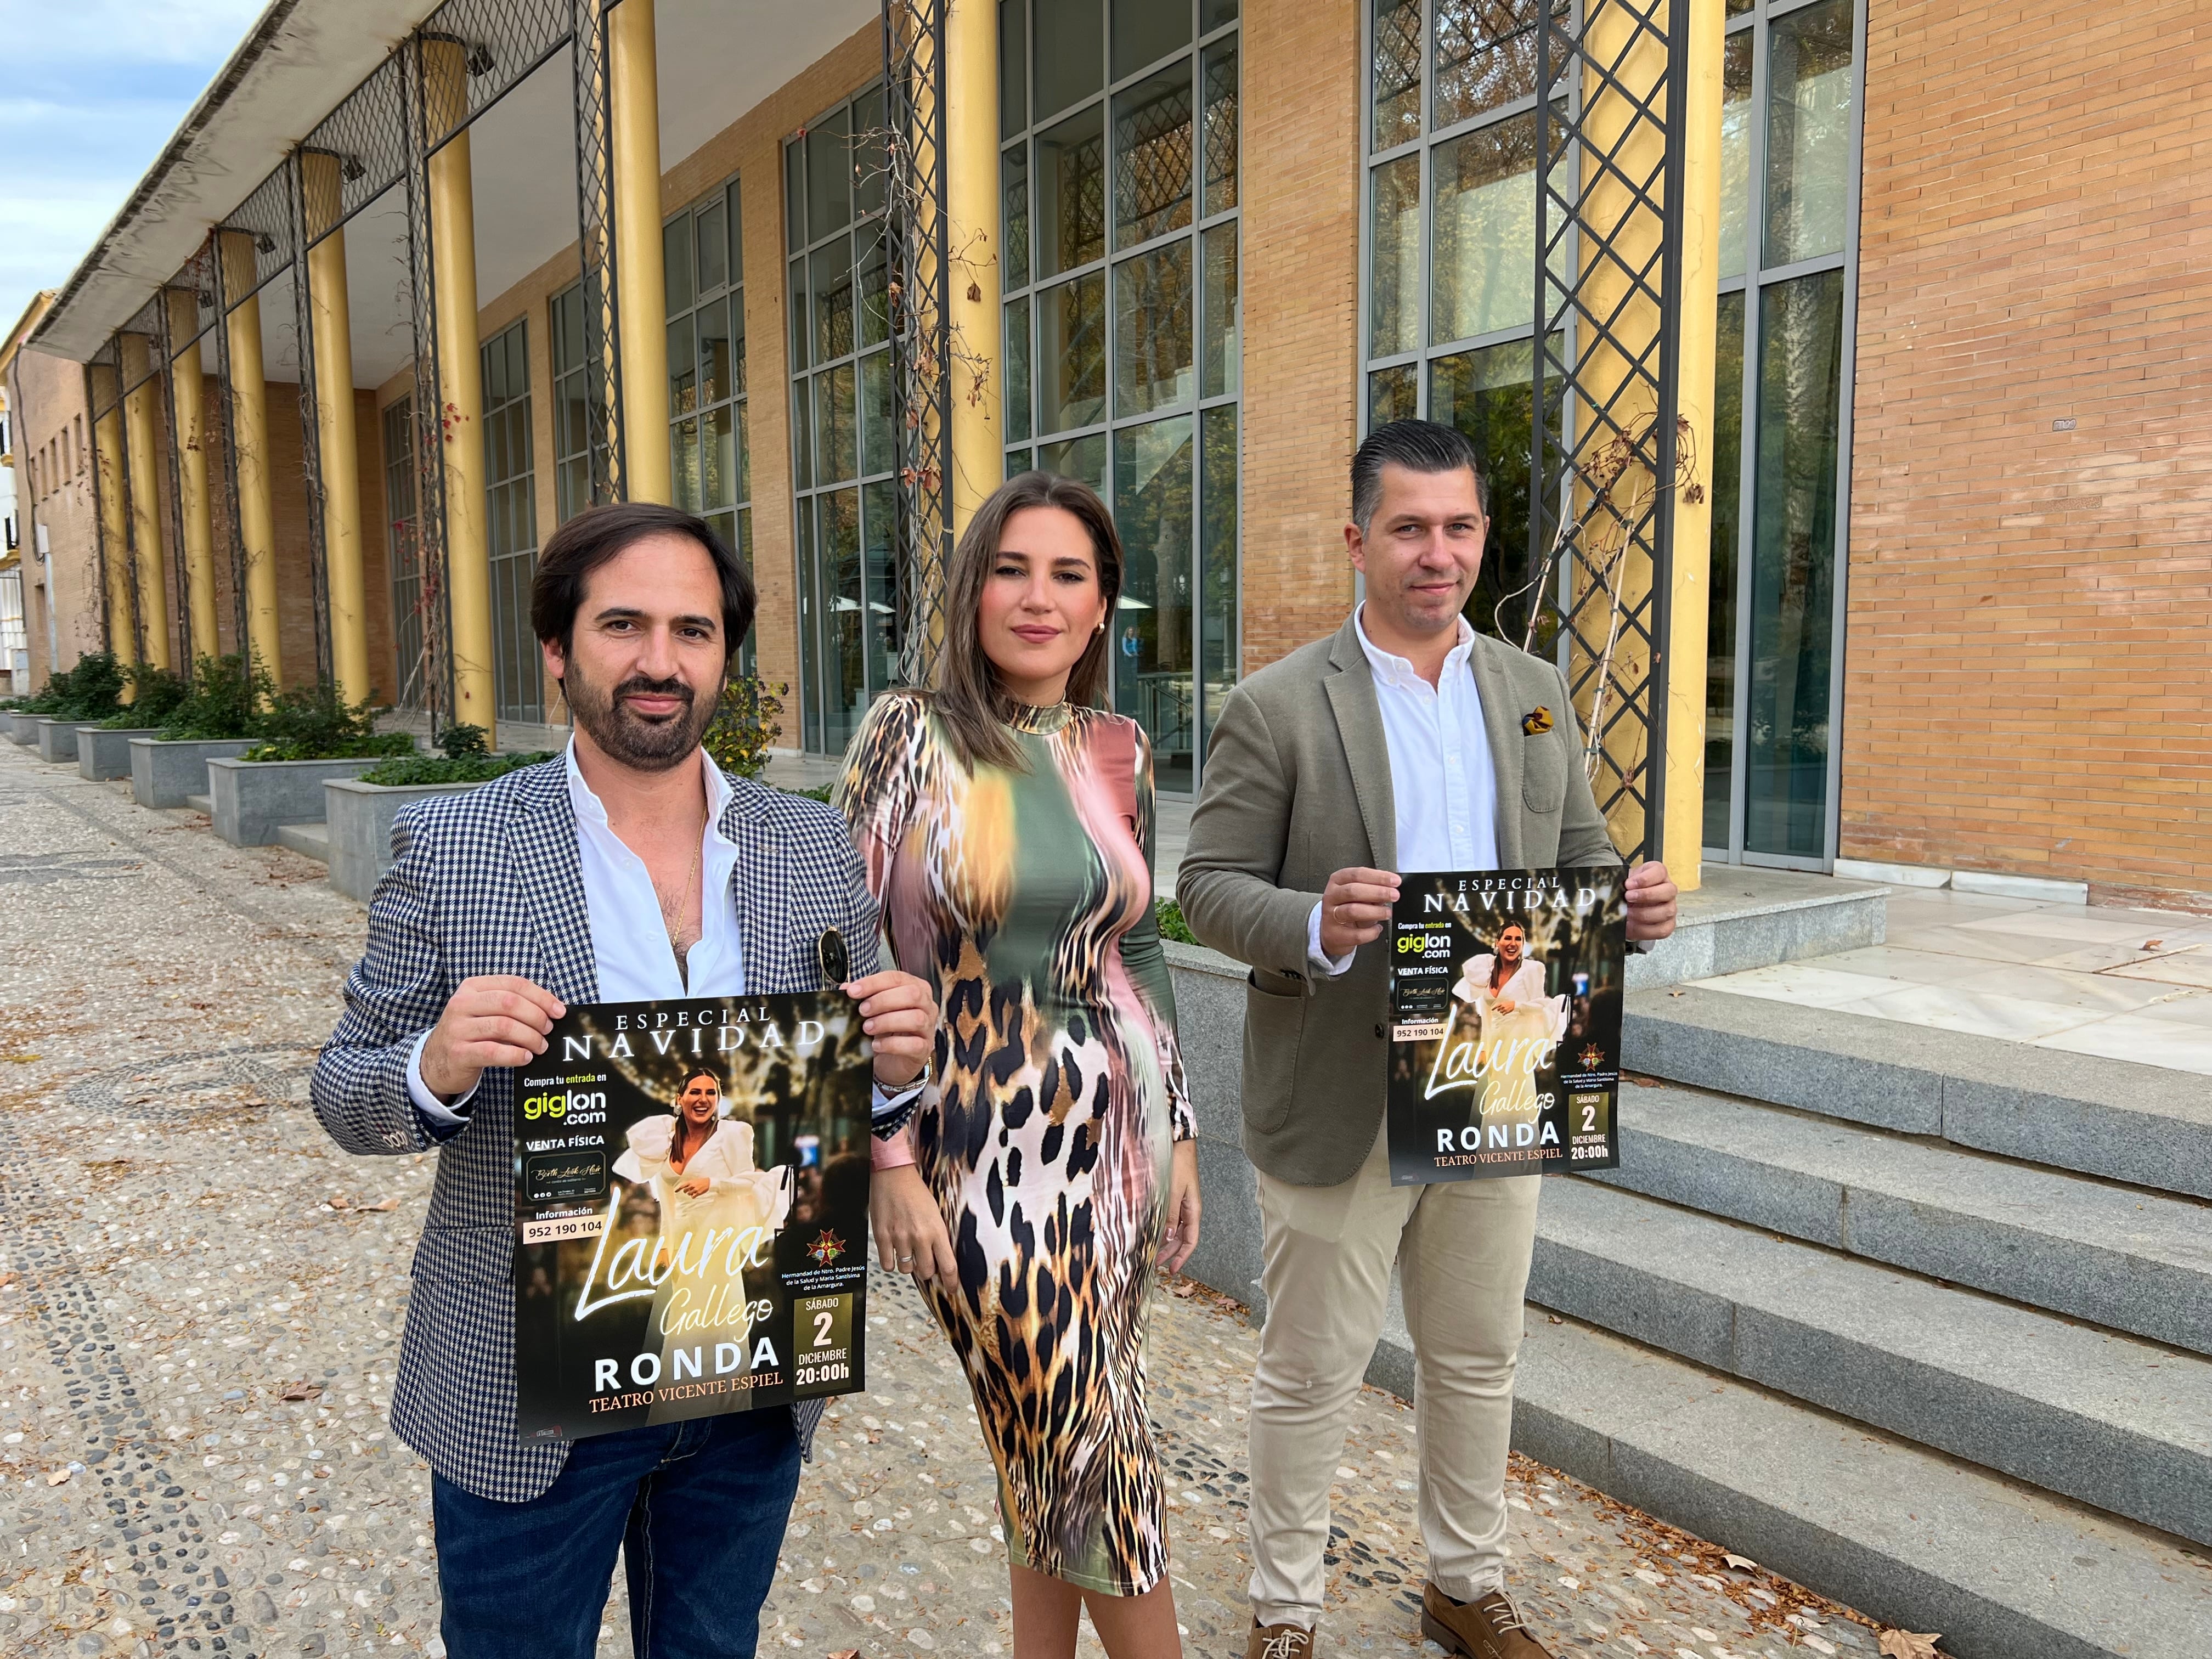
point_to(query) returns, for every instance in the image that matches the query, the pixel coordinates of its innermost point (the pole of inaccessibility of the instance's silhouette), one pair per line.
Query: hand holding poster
(691, 1207)
(1506, 992)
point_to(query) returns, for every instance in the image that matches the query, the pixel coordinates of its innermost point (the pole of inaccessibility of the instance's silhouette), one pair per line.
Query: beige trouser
(1462, 1251)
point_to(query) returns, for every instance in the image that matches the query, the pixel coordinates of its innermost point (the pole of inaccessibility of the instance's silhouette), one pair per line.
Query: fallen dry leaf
(2151, 944)
(1906, 1644)
(58, 1477)
(8, 1278)
(336, 1202)
(303, 1391)
(845, 1653)
(388, 1204)
(1743, 1562)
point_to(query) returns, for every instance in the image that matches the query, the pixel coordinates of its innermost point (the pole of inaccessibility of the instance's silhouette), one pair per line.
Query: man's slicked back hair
(599, 534)
(1418, 446)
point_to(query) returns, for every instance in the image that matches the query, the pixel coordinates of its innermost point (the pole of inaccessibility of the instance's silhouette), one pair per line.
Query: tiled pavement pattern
(200, 1298)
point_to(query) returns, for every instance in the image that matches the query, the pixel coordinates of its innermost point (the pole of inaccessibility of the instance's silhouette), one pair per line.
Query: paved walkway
(200, 1300)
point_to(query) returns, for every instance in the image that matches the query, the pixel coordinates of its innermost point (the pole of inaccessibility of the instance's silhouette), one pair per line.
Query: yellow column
(332, 333)
(634, 71)
(971, 192)
(460, 388)
(249, 437)
(107, 475)
(184, 399)
(1684, 832)
(145, 504)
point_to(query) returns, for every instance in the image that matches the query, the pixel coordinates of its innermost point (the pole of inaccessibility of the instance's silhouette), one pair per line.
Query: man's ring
(904, 1259)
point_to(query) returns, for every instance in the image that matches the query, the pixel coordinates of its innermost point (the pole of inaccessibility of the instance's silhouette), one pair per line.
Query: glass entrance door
(1781, 449)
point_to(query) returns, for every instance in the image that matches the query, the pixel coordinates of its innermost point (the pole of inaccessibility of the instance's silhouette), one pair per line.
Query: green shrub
(415, 770)
(744, 724)
(315, 722)
(224, 701)
(86, 693)
(821, 792)
(1172, 926)
(155, 694)
(465, 742)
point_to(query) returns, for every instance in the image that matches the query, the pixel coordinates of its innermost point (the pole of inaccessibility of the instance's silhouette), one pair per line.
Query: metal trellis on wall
(434, 676)
(922, 383)
(311, 424)
(595, 243)
(1608, 446)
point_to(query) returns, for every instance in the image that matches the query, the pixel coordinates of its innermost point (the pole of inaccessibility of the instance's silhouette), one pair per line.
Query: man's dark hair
(1417, 446)
(598, 534)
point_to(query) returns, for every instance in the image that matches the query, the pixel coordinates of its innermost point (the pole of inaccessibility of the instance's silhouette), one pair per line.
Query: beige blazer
(1298, 787)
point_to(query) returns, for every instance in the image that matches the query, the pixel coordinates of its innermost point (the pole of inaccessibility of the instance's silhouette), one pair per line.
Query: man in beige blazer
(1405, 741)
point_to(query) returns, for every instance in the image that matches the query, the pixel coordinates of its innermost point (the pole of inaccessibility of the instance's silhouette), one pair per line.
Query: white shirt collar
(1397, 671)
(590, 810)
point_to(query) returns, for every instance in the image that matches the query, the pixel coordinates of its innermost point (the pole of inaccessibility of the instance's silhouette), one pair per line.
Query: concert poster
(1505, 994)
(691, 1209)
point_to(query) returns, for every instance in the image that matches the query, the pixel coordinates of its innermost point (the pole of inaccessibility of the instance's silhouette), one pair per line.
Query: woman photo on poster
(699, 1164)
(1505, 989)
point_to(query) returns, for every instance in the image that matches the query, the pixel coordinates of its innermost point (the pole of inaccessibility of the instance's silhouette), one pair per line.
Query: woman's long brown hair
(968, 700)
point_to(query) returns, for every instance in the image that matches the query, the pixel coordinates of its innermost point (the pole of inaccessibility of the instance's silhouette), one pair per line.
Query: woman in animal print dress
(1006, 824)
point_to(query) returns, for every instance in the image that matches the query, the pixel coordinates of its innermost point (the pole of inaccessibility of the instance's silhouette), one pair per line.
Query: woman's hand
(899, 1014)
(692, 1186)
(1180, 1238)
(909, 1229)
(1502, 1005)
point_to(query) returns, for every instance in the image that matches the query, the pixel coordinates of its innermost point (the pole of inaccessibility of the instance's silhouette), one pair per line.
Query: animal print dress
(1026, 899)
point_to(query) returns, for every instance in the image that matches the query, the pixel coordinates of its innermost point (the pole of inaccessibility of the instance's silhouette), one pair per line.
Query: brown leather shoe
(1488, 1628)
(1278, 1641)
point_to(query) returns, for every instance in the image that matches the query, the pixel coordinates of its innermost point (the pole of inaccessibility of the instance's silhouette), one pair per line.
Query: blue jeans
(697, 1508)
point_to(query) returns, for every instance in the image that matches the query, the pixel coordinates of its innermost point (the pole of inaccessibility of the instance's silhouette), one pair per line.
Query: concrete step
(2138, 1260)
(2147, 1125)
(201, 804)
(2111, 1420)
(1904, 1534)
(308, 839)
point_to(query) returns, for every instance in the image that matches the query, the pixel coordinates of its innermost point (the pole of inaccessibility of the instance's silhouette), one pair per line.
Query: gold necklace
(673, 920)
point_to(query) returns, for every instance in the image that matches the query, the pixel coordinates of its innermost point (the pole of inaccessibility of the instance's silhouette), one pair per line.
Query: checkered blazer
(488, 881)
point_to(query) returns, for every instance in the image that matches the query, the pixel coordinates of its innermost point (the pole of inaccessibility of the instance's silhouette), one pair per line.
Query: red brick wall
(2028, 686)
(1300, 156)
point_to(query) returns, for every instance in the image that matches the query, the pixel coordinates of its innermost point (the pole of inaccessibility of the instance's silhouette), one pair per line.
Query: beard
(629, 737)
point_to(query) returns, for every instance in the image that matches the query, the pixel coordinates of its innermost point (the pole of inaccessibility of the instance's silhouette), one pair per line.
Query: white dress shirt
(630, 931)
(1444, 781)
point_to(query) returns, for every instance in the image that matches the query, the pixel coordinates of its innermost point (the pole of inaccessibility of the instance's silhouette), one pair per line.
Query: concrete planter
(22, 728)
(57, 740)
(360, 817)
(1209, 991)
(169, 774)
(250, 799)
(102, 754)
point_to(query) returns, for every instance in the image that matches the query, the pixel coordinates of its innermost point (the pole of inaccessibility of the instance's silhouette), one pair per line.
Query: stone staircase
(1919, 1319)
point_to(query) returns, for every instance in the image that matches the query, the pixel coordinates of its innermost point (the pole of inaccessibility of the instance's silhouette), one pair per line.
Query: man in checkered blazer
(630, 868)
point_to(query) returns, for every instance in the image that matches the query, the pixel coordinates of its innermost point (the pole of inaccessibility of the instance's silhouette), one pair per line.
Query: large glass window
(405, 551)
(710, 455)
(1789, 122)
(1123, 363)
(1451, 324)
(844, 448)
(511, 519)
(579, 414)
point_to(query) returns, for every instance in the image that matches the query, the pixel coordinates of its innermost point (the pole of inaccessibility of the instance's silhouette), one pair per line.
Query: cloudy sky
(89, 92)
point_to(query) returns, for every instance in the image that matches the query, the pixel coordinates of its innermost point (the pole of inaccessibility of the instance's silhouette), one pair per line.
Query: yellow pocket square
(1536, 722)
